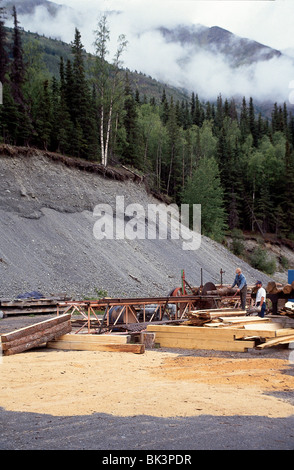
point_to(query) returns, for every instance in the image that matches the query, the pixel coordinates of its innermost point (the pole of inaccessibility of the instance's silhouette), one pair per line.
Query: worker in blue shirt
(240, 282)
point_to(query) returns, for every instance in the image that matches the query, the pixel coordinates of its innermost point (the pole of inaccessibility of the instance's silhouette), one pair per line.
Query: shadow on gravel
(31, 431)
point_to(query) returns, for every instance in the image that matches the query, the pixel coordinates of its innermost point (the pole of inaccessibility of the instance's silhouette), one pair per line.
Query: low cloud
(205, 73)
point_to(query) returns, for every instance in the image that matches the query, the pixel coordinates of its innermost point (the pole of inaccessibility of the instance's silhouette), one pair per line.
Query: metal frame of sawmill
(86, 308)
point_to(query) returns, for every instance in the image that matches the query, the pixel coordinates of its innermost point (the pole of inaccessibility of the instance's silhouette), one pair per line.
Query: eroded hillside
(47, 241)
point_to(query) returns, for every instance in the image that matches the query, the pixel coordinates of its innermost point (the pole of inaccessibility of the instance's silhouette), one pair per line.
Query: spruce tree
(17, 72)
(130, 152)
(252, 123)
(44, 117)
(3, 51)
(204, 187)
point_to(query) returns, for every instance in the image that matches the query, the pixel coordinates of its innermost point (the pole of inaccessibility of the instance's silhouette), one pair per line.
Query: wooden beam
(60, 329)
(276, 341)
(90, 346)
(41, 326)
(30, 344)
(196, 343)
(97, 339)
(35, 335)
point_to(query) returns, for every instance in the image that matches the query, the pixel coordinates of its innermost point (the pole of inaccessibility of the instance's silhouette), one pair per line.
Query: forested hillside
(238, 164)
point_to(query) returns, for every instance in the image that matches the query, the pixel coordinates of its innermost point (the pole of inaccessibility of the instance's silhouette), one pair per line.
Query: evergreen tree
(244, 121)
(173, 170)
(164, 108)
(252, 123)
(130, 153)
(17, 72)
(3, 52)
(204, 187)
(44, 117)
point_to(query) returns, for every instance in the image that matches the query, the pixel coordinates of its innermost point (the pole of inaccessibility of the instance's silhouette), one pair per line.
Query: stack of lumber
(92, 342)
(288, 309)
(35, 335)
(200, 317)
(223, 333)
(30, 306)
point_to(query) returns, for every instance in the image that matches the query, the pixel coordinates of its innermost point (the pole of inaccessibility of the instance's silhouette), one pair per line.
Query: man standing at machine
(241, 283)
(260, 299)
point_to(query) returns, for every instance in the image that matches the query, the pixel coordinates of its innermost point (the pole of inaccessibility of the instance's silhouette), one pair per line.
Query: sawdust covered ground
(160, 383)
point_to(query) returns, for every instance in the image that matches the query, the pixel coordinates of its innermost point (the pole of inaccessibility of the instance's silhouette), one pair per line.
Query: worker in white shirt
(260, 299)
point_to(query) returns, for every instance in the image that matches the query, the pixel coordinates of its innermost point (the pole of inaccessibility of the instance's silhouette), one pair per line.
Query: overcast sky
(269, 22)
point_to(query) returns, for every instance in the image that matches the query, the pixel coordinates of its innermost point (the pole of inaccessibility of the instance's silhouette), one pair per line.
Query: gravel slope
(47, 241)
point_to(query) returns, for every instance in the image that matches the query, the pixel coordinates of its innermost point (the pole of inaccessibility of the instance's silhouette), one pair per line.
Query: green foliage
(259, 260)
(284, 262)
(237, 246)
(204, 188)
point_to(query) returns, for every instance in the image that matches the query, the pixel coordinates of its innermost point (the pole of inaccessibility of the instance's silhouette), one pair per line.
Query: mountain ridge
(192, 58)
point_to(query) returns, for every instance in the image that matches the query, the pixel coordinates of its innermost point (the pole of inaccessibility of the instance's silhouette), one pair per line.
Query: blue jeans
(263, 309)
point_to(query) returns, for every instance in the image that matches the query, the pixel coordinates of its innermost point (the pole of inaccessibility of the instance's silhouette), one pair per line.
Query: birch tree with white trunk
(108, 82)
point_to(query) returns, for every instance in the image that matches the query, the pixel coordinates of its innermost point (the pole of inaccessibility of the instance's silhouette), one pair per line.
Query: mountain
(187, 57)
(238, 51)
(53, 49)
(27, 7)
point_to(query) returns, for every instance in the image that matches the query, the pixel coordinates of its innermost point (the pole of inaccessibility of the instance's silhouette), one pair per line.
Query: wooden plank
(236, 346)
(243, 319)
(255, 332)
(41, 326)
(27, 303)
(276, 341)
(35, 343)
(285, 332)
(83, 346)
(31, 311)
(263, 326)
(191, 332)
(57, 329)
(195, 331)
(98, 339)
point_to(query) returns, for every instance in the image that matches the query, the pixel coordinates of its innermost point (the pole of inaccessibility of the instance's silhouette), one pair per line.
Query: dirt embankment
(47, 241)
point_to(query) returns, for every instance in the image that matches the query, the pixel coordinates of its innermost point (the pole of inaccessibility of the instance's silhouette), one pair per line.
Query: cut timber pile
(223, 333)
(35, 335)
(30, 306)
(288, 309)
(200, 317)
(274, 288)
(89, 342)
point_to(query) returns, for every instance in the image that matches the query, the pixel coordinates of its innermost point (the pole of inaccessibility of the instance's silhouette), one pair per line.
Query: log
(270, 286)
(287, 289)
(223, 291)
